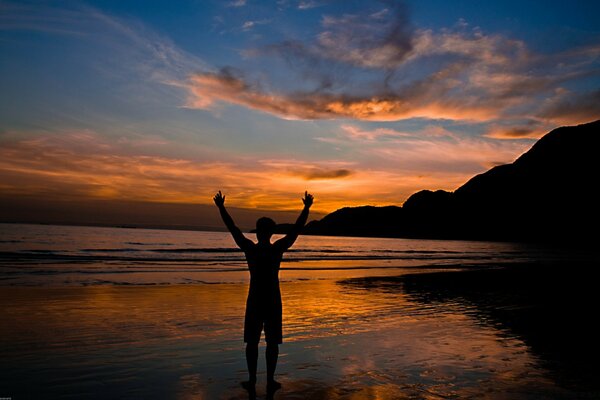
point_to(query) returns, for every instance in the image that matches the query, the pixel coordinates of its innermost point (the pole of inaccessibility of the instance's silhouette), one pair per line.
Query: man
(263, 306)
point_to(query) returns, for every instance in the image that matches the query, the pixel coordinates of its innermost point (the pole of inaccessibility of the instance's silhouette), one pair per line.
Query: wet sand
(523, 332)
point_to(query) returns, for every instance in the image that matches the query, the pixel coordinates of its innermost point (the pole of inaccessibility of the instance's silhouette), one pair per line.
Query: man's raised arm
(237, 234)
(288, 240)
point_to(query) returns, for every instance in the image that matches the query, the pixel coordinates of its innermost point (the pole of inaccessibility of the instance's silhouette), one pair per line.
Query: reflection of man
(263, 307)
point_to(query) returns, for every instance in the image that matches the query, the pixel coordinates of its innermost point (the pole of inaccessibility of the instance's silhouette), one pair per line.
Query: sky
(359, 102)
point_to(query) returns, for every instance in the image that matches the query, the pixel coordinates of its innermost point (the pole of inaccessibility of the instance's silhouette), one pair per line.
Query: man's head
(265, 227)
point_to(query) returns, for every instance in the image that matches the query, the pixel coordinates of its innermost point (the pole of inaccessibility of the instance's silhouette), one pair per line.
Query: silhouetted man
(263, 307)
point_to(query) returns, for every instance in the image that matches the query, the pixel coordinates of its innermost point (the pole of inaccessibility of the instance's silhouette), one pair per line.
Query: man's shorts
(256, 320)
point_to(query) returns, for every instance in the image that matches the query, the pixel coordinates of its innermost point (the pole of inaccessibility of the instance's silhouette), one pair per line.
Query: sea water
(81, 255)
(97, 313)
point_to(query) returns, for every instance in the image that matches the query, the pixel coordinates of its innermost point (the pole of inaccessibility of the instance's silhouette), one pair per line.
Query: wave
(207, 255)
(86, 254)
(133, 269)
(180, 250)
(211, 250)
(198, 250)
(149, 244)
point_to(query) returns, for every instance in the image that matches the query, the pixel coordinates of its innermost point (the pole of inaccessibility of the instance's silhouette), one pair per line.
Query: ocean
(82, 255)
(99, 313)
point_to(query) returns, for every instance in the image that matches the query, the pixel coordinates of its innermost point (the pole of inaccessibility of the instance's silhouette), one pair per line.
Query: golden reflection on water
(340, 342)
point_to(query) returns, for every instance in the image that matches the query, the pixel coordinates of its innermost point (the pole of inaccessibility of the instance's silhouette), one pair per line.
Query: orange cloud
(354, 132)
(563, 108)
(208, 89)
(482, 49)
(378, 67)
(489, 81)
(431, 151)
(534, 131)
(311, 174)
(84, 165)
(567, 108)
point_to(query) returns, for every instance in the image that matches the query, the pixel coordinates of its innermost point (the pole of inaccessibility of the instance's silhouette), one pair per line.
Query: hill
(547, 194)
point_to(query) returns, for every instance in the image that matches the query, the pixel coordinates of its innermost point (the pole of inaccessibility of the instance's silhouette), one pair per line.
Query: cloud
(573, 108)
(324, 170)
(307, 5)
(432, 150)
(311, 174)
(237, 3)
(86, 165)
(461, 158)
(563, 108)
(377, 66)
(373, 65)
(417, 101)
(227, 86)
(379, 40)
(529, 130)
(473, 45)
(131, 44)
(249, 25)
(354, 132)
(83, 164)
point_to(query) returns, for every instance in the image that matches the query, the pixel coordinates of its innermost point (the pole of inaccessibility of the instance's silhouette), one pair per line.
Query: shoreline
(211, 229)
(148, 274)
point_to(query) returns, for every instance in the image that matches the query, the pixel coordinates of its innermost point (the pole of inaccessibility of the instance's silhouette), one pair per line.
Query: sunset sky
(359, 102)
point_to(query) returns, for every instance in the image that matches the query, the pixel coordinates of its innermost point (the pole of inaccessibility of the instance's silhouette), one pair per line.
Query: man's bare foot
(249, 385)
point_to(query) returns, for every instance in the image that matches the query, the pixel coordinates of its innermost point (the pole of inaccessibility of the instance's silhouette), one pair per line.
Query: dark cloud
(319, 173)
(574, 108)
(429, 98)
(528, 129)
(379, 40)
(518, 132)
(377, 66)
(308, 61)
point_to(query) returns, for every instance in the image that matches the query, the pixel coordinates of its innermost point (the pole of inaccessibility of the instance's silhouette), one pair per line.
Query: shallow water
(185, 342)
(71, 255)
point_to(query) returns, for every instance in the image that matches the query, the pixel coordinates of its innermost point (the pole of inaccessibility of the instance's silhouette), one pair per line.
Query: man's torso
(263, 262)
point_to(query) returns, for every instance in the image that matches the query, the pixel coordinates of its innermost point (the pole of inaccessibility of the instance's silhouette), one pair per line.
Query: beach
(397, 195)
(493, 330)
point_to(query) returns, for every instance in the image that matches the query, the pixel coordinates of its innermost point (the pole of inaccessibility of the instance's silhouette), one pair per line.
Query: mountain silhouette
(547, 194)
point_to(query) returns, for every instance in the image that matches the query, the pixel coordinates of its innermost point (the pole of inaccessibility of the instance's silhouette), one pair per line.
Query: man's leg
(251, 361)
(272, 353)
(252, 329)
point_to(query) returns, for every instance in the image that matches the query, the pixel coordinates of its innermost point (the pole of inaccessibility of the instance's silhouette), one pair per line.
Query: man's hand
(219, 199)
(307, 200)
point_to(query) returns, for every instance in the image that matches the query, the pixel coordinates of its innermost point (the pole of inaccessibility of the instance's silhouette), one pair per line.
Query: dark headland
(548, 194)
